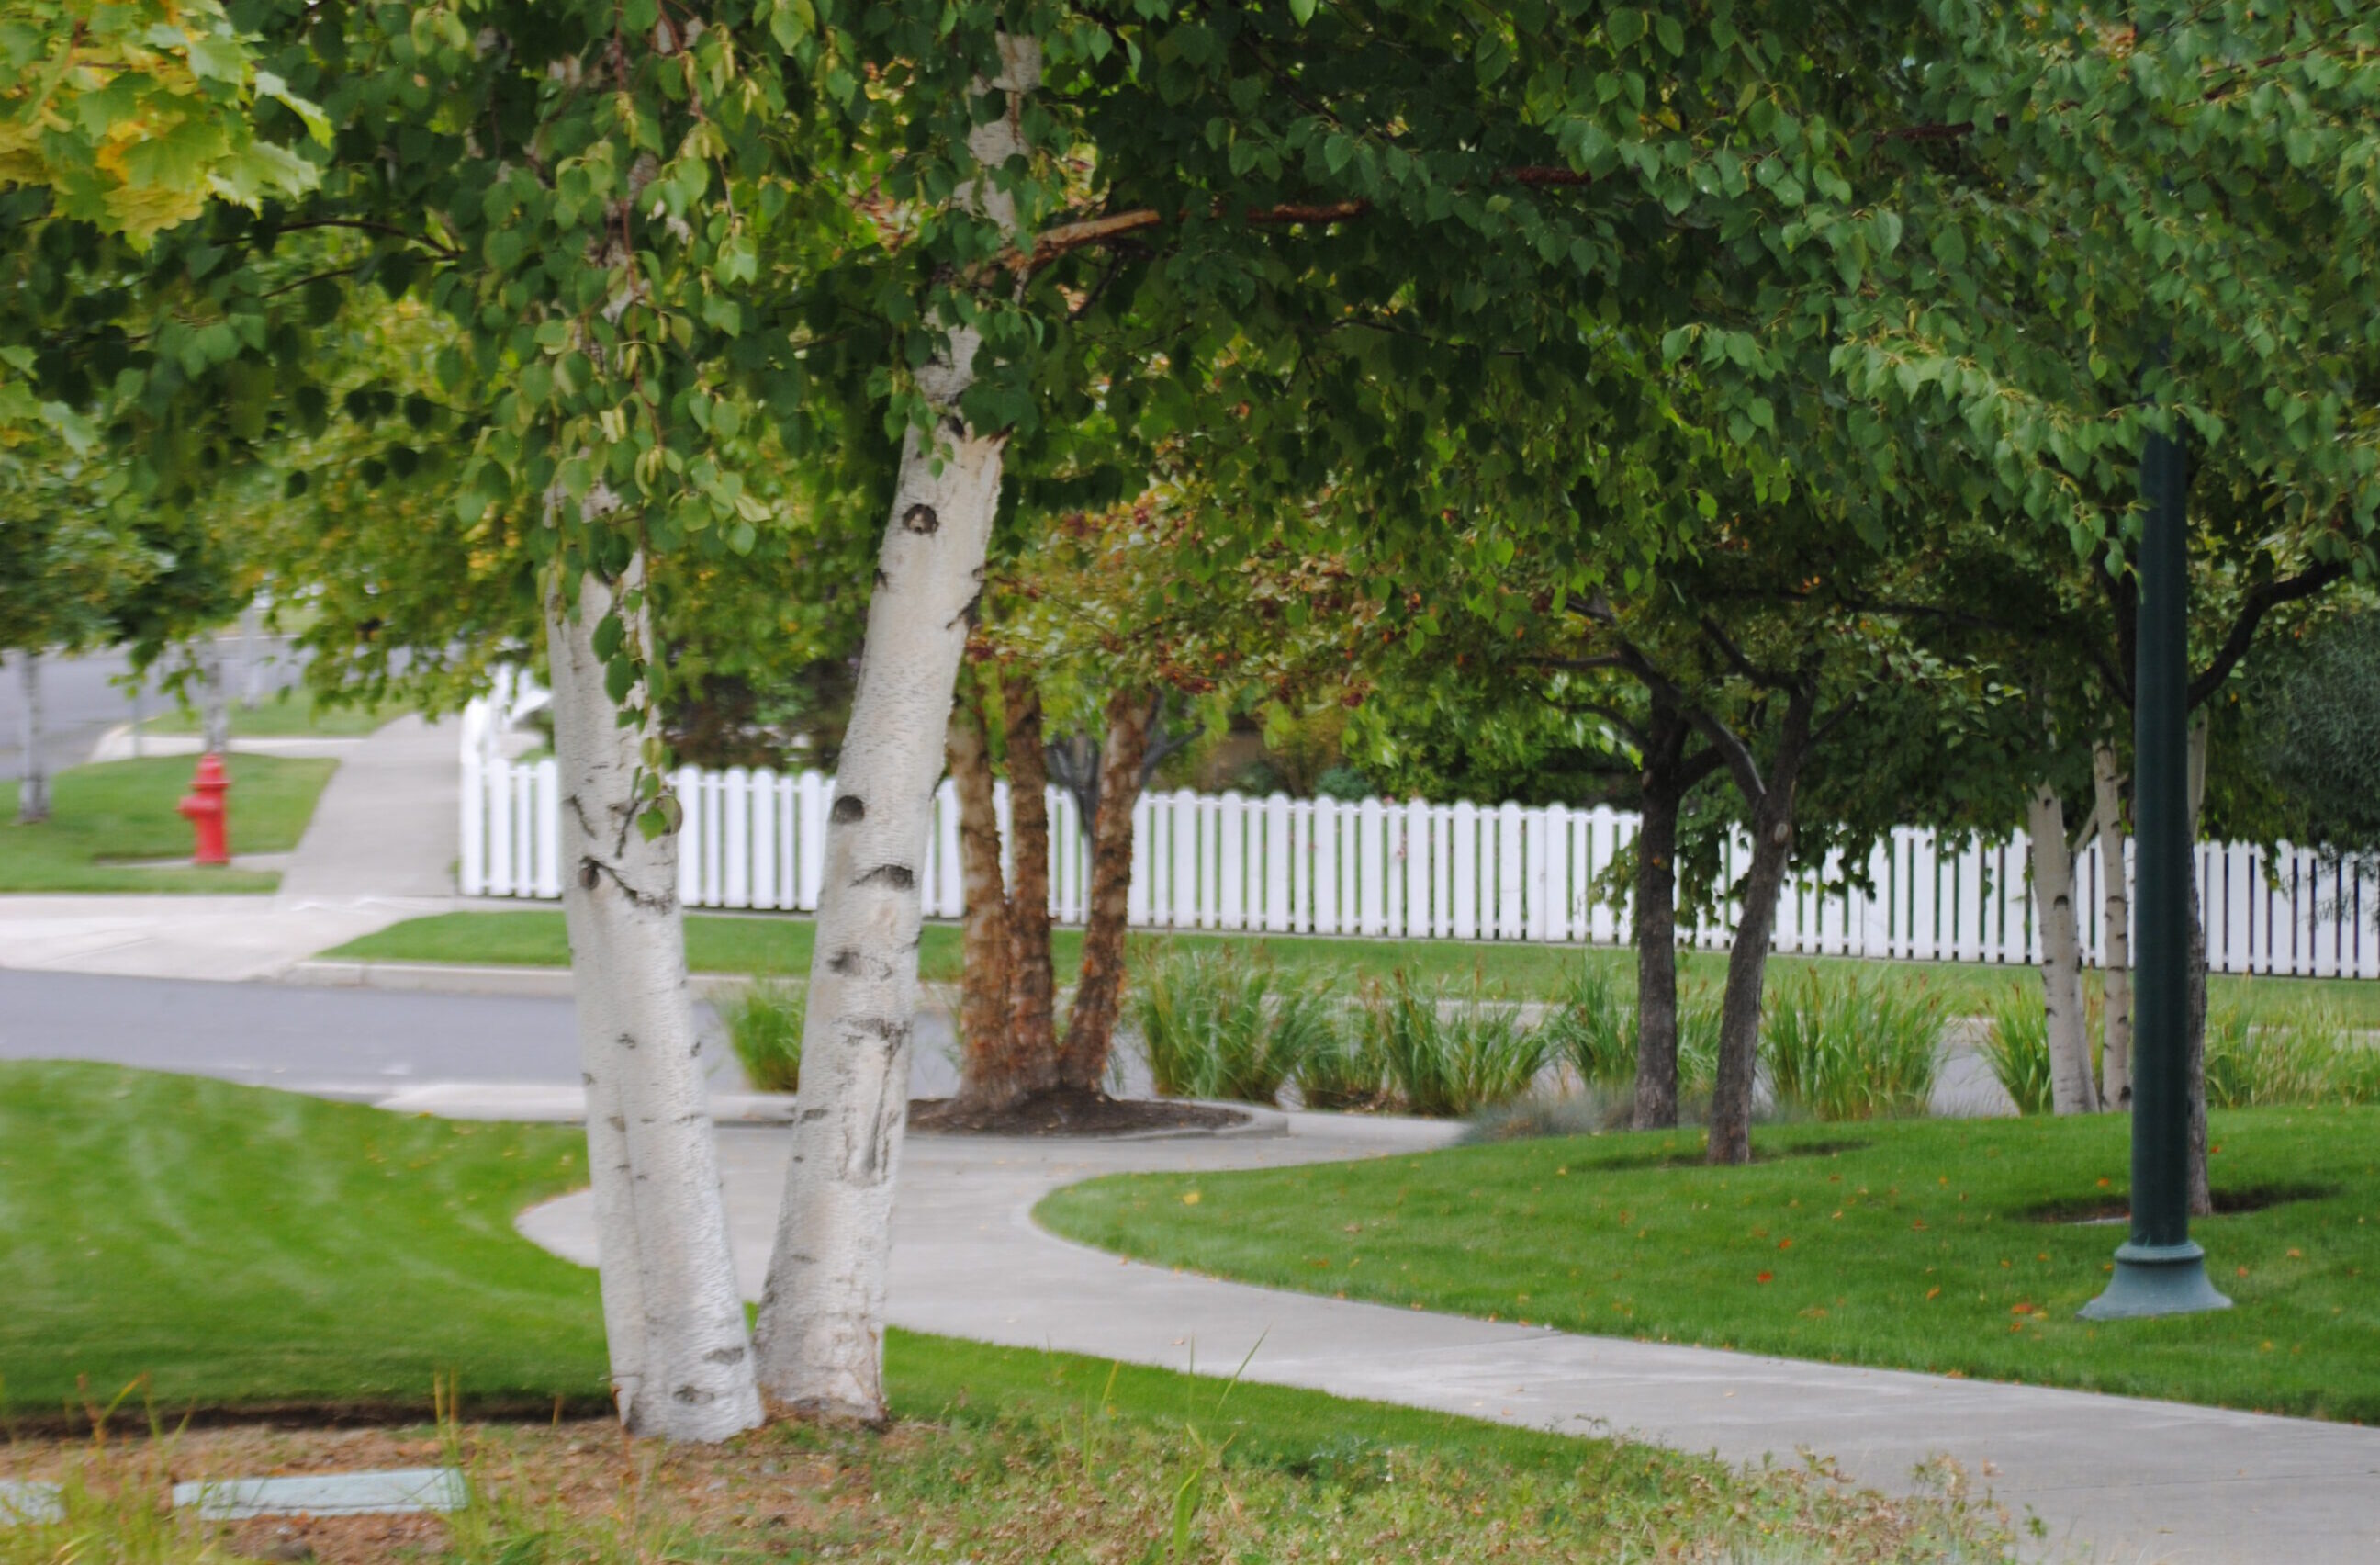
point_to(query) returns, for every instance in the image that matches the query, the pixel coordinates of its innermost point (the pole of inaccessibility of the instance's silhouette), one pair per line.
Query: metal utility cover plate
(328, 1494)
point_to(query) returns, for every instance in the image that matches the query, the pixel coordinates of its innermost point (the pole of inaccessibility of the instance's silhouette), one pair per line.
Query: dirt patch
(1070, 1112)
(2111, 1209)
(339, 1540)
(777, 1493)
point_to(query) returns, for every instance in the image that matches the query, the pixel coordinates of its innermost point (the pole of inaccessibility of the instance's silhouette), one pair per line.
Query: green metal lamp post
(2159, 1270)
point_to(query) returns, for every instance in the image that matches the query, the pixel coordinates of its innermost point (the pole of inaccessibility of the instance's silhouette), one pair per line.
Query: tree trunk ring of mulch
(1069, 1111)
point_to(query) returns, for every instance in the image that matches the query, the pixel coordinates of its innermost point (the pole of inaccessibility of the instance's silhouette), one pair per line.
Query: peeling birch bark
(2115, 913)
(1032, 1020)
(1099, 987)
(681, 1361)
(821, 1328)
(988, 1074)
(2072, 1090)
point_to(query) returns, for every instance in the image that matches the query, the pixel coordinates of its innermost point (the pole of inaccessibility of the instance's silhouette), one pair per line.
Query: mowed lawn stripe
(1921, 1244)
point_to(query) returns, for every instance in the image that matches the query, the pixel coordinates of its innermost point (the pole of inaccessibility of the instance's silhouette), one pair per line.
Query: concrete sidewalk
(2111, 1478)
(381, 847)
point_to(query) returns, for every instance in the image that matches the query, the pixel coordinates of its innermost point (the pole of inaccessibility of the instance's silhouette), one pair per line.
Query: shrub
(1853, 1046)
(2015, 1045)
(764, 1027)
(1447, 1057)
(1221, 1024)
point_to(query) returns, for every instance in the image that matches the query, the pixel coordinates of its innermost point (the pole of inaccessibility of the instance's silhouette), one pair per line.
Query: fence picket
(1413, 869)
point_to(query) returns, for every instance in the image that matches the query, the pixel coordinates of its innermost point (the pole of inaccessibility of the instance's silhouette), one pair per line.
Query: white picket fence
(1413, 870)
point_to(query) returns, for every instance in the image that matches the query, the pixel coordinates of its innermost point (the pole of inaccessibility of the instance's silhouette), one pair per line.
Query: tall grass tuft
(1448, 1057)
(2015, 1045)
(764, 1027)
(1221, 1024)
(1343, 1072)
(2304, 1058)
(1591, 1028)
(112, 1502)
(1851, 1046)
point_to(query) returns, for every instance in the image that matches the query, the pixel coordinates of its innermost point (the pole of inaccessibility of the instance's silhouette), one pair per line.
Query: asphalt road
(342, 1042)
(349, 1041)
(79, 704)
(81, 701)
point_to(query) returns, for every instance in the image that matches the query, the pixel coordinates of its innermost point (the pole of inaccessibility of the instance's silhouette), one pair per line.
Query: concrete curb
(502, 979)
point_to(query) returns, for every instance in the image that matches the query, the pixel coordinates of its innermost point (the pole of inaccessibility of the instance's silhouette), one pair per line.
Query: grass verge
(245, 1249)
(1908, 1245)
(781, 945)
(105, 818)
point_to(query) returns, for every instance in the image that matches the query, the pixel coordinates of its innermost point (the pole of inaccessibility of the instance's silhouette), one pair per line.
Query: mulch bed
(1069, 1112)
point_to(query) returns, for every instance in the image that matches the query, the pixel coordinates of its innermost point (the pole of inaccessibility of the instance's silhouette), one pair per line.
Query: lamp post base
(2156, 1280)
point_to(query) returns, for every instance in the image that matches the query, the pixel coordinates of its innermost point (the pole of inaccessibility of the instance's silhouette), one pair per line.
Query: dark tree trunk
(1747, 972)
(1098, 990)
(1662, 791)
(1747, 958)
(1030, 975)
(991, 1074)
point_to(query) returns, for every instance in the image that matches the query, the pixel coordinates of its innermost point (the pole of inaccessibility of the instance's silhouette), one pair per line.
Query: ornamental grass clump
(1342, 1074)
(1445, 1056)
(2015, 1044)
(1221, 1024)
(1852, 1047)
(1592, 1028)
(2306, 1057)
(764, 1028)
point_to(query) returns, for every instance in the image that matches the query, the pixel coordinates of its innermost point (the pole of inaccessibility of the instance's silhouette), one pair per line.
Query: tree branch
(2262, 600)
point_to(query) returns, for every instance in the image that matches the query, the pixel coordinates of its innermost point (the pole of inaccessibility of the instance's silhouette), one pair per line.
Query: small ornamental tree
(1105, 621)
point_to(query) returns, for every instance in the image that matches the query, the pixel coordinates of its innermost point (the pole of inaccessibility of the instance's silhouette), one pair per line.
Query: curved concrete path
(2111, 1478)
(381, 847)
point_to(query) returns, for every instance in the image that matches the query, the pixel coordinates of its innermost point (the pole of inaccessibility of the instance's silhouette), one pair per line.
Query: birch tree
(673, 1315)
(2072, 1088)
(821, 1329)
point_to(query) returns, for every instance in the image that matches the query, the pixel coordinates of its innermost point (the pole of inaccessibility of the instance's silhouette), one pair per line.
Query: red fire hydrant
(207, 813)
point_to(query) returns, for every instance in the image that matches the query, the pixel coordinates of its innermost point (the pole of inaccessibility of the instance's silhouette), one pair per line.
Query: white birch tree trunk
(34, 791)
(252, 668)
(2115, 913)
(681, 1361)
(2072, 1089)
(214, 712)
(821, 1324)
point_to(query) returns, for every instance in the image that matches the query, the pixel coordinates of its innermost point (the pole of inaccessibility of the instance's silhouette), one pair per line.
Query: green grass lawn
(246, 1246)
(248, 1249)
(745, 943)
(1915, 1244)
(289, 714)
(104, 815)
